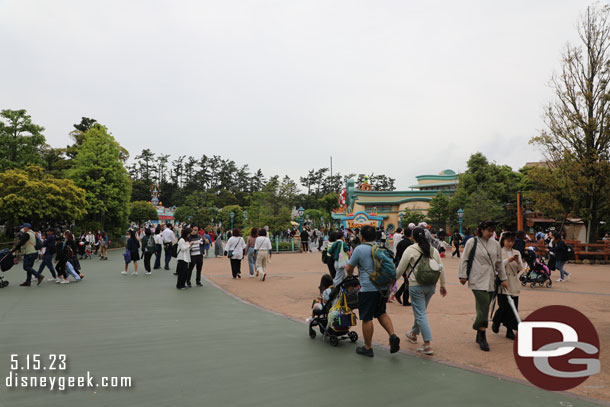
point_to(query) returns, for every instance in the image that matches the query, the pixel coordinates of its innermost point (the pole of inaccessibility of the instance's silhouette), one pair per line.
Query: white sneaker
(123, 272)
(51, 280)
(148, 273)
(559, 280)
(65, 281)
(251, 276)
(59, 280)
(134, 273)
(568, 276)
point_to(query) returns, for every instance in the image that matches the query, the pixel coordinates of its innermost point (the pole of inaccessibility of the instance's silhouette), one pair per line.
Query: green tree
(413, 216)
(21, 141)
(578, 121)
(98, 169)
(438, 213)
(480, 207)
(33, 196)
(142, 211)
(224, 215)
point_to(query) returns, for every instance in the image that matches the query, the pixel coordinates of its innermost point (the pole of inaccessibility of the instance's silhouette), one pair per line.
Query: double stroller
(335, 318)
(7, 260)
(536, 272)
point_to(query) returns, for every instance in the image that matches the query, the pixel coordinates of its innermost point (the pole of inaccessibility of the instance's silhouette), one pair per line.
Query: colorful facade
(387, 205)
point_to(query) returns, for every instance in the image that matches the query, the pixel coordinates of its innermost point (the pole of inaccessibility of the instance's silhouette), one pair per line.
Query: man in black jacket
(49, 250)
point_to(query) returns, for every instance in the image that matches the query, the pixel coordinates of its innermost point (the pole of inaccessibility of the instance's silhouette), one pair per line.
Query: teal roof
(403, 194)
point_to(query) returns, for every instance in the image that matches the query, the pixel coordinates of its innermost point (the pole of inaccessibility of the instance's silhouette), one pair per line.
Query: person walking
(513, 265)
(559, 251)
(371, 302)
(104, 246)
(65, 258)
(262, 248)
(218, 249)
(250, 243)
(479, 265)
(197, 254)
(27, 241)
(158, 247)
(396, 238)
(148, 248)
(402, 295)
(47, 258)
(183, 259)
(207, 242)
(304, 241)
(419, 256)
(339, 254)
(455, 241)
(169, 239)
(133, 248)
(235, 252)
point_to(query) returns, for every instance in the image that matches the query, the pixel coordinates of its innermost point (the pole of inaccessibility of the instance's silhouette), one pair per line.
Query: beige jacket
(487, 263)
(408, 260)
(512, 269)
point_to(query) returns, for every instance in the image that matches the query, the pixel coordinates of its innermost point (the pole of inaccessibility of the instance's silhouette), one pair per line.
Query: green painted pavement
(203, 347)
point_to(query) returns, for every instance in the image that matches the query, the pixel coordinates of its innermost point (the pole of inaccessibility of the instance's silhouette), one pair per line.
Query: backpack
(424, 273)
(384, 271)
(175, 250)
(150, 245)
(38, 244)
(325, 256)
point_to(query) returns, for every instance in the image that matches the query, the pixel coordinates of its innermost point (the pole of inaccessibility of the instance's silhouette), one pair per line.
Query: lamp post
(519, 213)
(401, 218)
(300, 211)
(460, 214)
(232, 215)
(245, 214)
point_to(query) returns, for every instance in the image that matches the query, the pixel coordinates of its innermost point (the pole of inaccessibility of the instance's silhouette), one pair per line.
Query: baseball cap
(25, 225)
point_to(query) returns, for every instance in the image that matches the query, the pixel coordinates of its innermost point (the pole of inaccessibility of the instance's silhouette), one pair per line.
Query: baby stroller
(7, 260)
(332, 325)
(536, 271)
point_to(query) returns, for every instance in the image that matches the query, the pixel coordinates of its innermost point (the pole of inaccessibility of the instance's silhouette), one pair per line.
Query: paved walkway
(203, 347)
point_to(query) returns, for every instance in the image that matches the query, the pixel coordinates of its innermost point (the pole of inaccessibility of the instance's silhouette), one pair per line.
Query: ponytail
(419, 235)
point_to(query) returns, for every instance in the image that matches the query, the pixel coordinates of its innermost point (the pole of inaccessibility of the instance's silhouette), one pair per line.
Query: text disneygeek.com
(22, 365)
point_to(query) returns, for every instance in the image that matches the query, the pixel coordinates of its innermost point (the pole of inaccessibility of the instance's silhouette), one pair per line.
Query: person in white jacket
(414, 257)
(184, 258)
(262, 248)
(235, 249)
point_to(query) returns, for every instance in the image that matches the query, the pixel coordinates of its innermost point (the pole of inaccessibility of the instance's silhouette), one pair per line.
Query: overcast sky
(394, 87)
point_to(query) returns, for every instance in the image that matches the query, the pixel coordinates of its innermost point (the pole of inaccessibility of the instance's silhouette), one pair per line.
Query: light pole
(300, 211)
(401, 218)
(232, 215)
(321, 221)
(460, 214)
(245, 214)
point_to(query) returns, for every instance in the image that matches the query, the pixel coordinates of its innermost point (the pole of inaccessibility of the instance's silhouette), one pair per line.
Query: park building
(361, 205)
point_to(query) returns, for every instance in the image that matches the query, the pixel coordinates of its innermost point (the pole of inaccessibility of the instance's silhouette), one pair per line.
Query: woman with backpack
(481, 262)
(148, 248)
(422, 263)
(559, 251)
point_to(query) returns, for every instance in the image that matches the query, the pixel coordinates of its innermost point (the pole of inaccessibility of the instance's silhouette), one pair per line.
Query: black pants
(404, 291)
(195, 261)
(504, 314)
(168, 254)
(235, 267)
(331, 266)
(457, 251)
(305, 246)
(181, 269)
(158, 250)
(147, 257)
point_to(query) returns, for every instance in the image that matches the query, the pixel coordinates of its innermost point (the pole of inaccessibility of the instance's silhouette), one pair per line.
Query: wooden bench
(591, 249)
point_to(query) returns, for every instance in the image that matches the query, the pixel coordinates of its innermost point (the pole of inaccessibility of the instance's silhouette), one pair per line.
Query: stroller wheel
(533, 285)
(549, 283)
(334, 341)
(524, 283)
(312, 333)
(353, 336)
(4, 284)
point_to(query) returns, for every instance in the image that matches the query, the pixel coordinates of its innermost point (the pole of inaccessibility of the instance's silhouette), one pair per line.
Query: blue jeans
(251, 260)
(28, 265)
(47, 260)
(420, 298)
(559, 266)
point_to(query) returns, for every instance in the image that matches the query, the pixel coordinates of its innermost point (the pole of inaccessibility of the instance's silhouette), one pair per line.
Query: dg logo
(557, 348)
